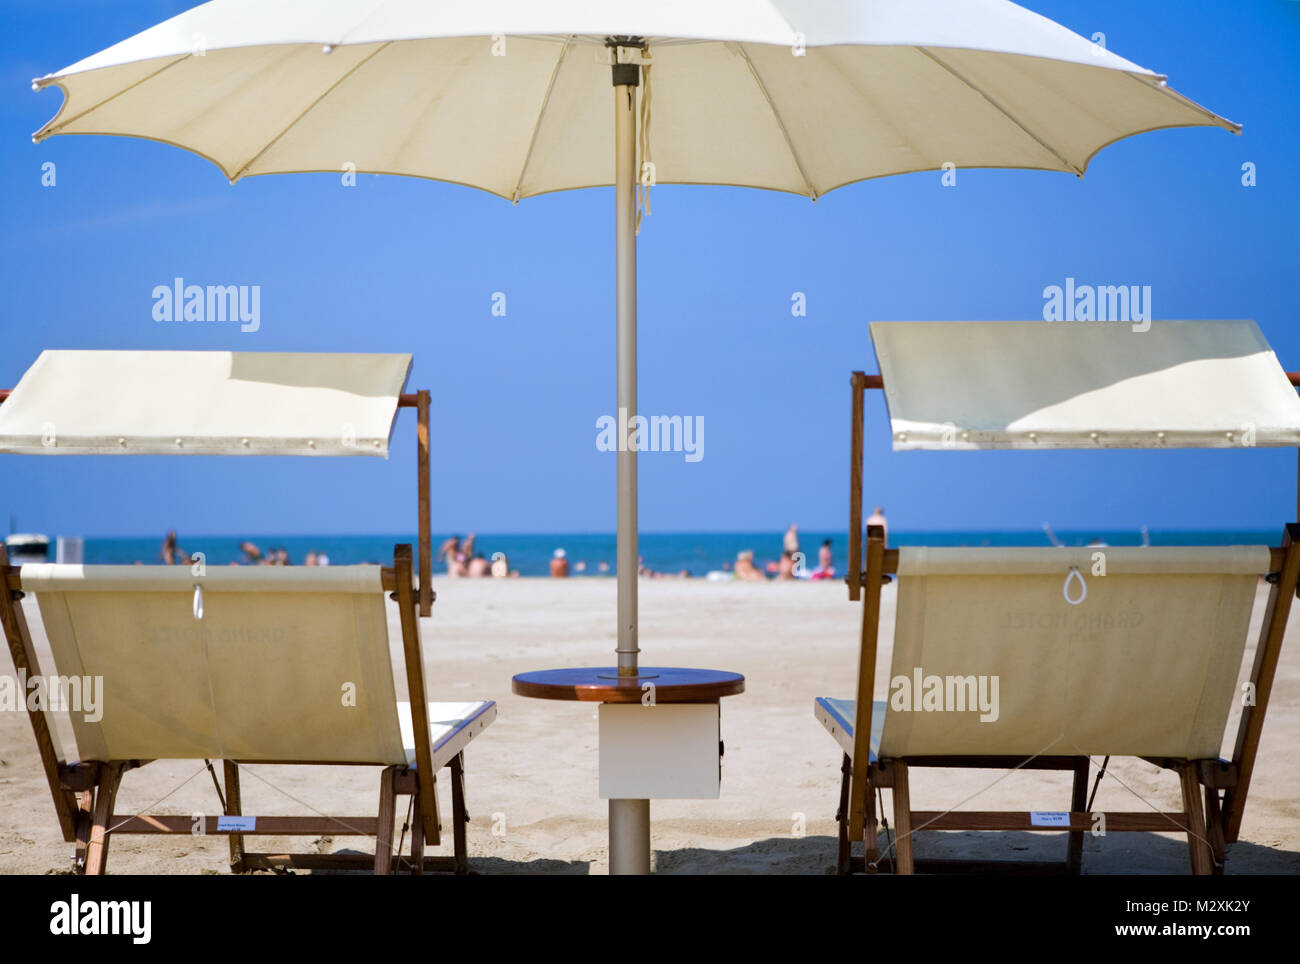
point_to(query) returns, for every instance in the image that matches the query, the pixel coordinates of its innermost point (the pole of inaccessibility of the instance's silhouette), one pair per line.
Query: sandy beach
(532, 776)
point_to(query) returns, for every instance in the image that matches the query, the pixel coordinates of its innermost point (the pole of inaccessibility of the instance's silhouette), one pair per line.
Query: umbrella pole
(629, 820)
(625, 237)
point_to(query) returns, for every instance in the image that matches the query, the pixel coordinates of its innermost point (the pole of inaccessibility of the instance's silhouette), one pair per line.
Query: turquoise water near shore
(696, 553)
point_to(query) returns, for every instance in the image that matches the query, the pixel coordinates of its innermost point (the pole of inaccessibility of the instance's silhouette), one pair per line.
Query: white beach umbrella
(514, 97)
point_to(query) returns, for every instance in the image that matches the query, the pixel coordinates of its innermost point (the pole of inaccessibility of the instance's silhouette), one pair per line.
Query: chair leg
(870, 846)
(1197, 841)
(902, 821)
(234, 808)
(97, 846)
(387, 813)
(1214, 823)
(417, 836)
(844, 850)
(85, 816)
(459, 817)
(1078, 801)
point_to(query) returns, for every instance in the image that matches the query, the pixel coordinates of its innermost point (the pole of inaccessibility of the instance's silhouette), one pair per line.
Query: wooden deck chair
(1145, 665)
(993, 667)
(243, 665)
(234, 403)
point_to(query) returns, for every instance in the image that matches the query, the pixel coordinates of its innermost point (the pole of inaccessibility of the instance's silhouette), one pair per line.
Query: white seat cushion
(838, 717)
(451, 727)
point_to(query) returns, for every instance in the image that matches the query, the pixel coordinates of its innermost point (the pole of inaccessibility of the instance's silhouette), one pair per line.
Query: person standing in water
(171, 553)
(455, 556)
(791, 542)
(877, 518)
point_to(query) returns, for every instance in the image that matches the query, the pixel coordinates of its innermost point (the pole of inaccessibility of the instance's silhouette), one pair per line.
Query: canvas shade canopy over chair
(244, 665)
(1096, 651)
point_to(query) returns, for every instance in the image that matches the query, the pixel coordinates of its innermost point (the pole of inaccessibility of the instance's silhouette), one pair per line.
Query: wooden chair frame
(1211, 820)
(84, 792)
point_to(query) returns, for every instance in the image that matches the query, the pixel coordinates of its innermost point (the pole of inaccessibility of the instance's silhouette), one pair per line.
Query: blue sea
(693, 552)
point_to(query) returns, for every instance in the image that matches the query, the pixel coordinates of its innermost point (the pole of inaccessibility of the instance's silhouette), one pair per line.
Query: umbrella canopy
(512, 96)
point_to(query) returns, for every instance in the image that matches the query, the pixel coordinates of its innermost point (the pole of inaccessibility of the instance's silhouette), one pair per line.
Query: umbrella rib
(303, 113)
(794, 155)
(1002, 110)
(546, 101)
(1163, 87)
(50, 128)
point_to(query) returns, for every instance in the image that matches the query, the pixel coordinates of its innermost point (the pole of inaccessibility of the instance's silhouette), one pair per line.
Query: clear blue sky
(407, 265)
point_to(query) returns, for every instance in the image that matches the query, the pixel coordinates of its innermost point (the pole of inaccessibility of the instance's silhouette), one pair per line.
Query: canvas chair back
(991, 658)
(285, 664)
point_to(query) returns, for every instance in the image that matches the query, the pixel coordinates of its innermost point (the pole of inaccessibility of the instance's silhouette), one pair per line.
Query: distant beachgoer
(171, 553)
(479, 567)
(311, 558)
(252, 554)
(500, 565)
(877, 518)
(559, 565)
(791, 542)
(745, 568)
(679, 574)
(825, 562)
(580, 566)
(467, 550)
(786, 568)
(455, 557)
(449, 547)
(322, 559)
(603, 567)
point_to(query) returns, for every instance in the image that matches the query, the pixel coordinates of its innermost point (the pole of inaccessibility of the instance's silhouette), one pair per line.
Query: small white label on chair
(1049, 818)
(241, 824)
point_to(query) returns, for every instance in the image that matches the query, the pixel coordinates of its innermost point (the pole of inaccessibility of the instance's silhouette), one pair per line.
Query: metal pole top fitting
(625, 60)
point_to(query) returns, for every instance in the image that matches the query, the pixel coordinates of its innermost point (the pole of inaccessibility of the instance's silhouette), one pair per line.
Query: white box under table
(668, 751)
(660, 730)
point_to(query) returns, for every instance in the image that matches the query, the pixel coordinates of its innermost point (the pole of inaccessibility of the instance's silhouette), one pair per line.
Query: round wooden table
(602, 684)
(629, 816)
